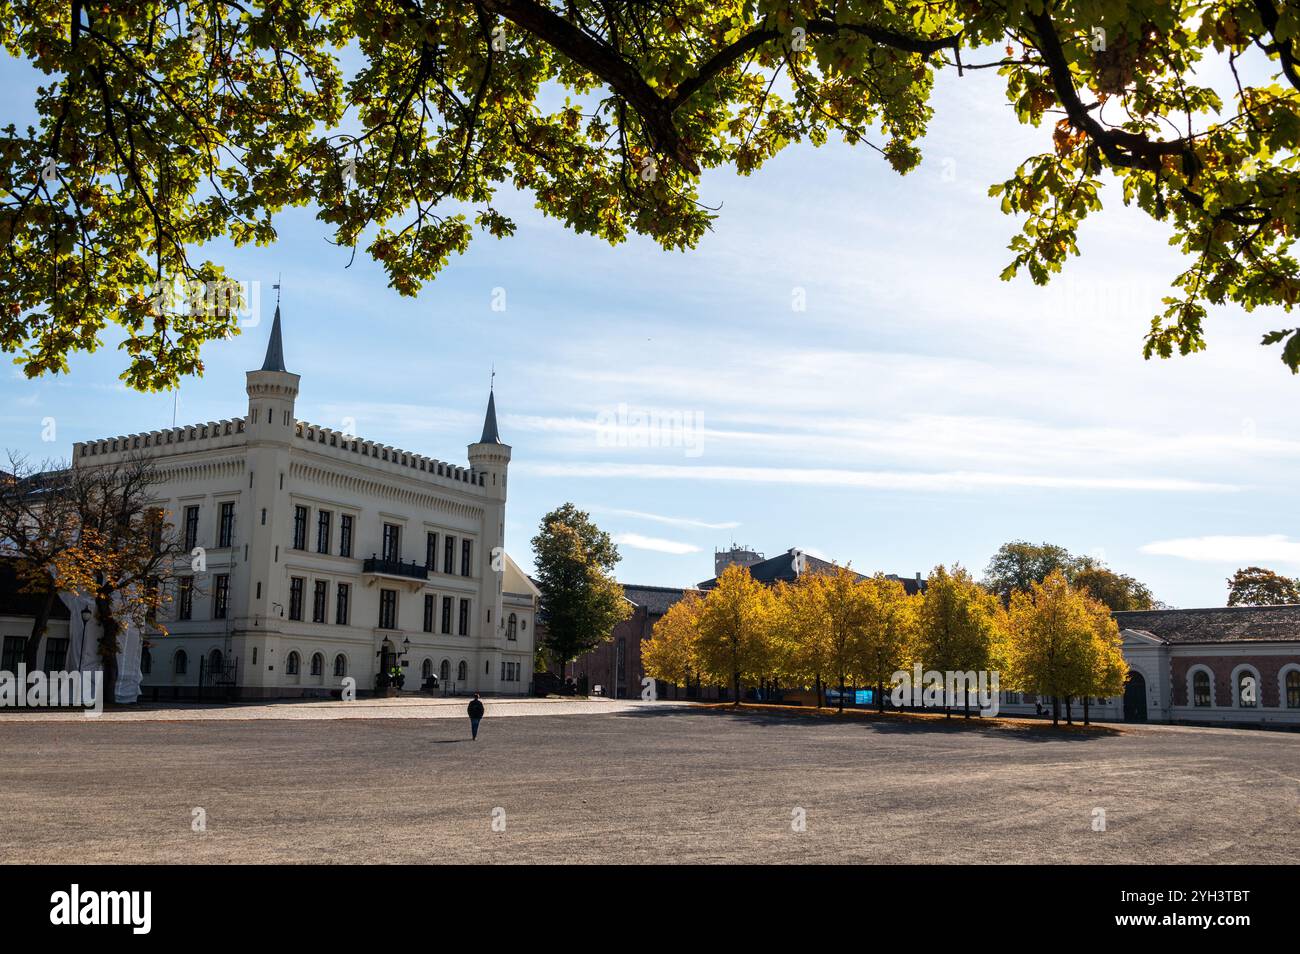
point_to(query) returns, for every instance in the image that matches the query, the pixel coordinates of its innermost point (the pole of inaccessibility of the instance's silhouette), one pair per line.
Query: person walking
(475, 711)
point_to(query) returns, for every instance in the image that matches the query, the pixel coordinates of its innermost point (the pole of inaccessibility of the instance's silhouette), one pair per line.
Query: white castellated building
(329, 556)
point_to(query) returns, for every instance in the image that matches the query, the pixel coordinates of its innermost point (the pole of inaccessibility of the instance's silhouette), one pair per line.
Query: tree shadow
(891, 723)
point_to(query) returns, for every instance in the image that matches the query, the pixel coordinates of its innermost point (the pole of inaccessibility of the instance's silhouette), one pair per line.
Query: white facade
(326, 553)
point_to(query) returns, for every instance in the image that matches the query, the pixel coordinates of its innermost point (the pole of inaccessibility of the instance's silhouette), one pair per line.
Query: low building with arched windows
(1237, 665)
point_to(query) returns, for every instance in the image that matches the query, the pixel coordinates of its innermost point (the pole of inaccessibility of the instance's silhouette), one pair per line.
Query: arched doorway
(1135, 697)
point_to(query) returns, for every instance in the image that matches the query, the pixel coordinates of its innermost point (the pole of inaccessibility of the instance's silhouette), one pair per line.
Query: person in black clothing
(475, 711)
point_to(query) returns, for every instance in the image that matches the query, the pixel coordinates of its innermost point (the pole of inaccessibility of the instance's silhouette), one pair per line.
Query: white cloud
(672, 521)
(1268, 548)
(657, 544)
(940, 482)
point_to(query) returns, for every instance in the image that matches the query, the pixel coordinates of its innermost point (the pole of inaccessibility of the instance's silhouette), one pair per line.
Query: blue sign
(863, 697)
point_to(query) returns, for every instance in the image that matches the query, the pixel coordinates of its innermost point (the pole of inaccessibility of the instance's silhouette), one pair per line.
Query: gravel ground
(631, 782)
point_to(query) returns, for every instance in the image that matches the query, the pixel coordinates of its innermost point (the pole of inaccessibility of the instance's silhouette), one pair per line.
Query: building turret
(272, 391)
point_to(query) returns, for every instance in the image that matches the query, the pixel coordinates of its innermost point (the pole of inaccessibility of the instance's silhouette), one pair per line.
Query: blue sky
(918, 411)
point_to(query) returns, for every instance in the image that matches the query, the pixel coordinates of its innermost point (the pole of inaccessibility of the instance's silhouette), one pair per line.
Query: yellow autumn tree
(1050, 649)
(1107, 669)
(735, 630)
(670, 654)
(886, 639)
(958, 623)
(801, 633)
(844, 615)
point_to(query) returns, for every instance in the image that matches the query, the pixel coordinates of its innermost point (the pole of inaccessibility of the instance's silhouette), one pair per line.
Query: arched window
(317, 664)
(445, 671)
(340, 665)
(146, 661)
(180, 663)
(512, 627)
(291, 664)
(426, 670)
(462, 671)
(1201, 688)
(215, 661)
(1293, 689)
(1247, 689)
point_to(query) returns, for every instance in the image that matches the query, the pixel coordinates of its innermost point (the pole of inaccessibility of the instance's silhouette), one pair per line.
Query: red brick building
(615, 665)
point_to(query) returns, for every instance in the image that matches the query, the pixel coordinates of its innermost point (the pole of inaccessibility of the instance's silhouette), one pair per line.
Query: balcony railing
(411, 571)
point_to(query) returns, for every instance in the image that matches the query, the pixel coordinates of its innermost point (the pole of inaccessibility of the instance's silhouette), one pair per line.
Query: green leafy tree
(1116, 591)
(581, 602)
(1256, 586)
(165, 126)
(1018, 565)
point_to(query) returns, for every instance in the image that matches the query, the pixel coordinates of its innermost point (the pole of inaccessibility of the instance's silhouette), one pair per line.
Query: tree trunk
(841, 708)
(31, 653)
(1056, 710)
(108, 647)
(1069, 710)
(1085, 711)
(880, 696)
(819, 690)
(735, 685)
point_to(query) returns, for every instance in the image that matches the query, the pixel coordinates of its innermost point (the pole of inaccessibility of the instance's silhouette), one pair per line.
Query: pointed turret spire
(275, 347)
(490, 435)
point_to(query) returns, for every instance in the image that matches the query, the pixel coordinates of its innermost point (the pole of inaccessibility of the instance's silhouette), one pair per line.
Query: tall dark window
(388, 609)
(323, 531)
(446, 615)
(463, 625)
(341, 594)
(300, 528)
(1201, 688)
(15, 646)
(431, 551)
(296, 585)
(392, 542)
(1247, 690)
(319, 601)
(1293, 689)
(191, 527)
(449, 555)
(512, 627)
(220, 595)
(345, 535)
(185, 598)
(464, 557)
(226, 525)
(428, 614)
(56, 654)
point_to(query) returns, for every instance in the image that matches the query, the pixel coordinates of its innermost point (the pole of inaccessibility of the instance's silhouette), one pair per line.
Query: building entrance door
(1135, 698)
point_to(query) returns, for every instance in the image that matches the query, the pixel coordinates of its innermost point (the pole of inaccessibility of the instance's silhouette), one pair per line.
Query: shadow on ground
(891, 723)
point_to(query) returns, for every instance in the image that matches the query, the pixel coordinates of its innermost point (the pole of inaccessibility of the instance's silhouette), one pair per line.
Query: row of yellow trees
(840, 629)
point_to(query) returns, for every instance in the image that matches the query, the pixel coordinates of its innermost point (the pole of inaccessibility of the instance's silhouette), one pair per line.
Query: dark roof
(781, 568)
(14, 603)
(274, 347)
(654, 599)
(490, 435)
(1224, 624)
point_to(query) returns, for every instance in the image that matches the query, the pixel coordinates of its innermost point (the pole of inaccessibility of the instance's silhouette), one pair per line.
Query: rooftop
(1219, 624)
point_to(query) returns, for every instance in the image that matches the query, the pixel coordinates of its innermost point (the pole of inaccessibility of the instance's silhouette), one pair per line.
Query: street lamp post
(81, 647)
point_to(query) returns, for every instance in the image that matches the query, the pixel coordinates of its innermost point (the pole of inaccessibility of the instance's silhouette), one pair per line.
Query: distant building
(615, 665)
(788, 567)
